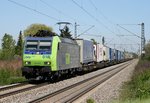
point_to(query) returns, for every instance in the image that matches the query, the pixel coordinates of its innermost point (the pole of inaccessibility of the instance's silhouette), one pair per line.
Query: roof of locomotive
(63, 40)
(68, 40)
(38, 38)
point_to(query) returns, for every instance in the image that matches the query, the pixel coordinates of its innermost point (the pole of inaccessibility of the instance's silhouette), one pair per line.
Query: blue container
(116, 55)
(119, 55)
(111, 54)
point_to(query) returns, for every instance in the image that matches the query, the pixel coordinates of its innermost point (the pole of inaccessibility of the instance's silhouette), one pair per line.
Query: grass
(10, 72)
(90, 100)
(138, 88)
(133, 101)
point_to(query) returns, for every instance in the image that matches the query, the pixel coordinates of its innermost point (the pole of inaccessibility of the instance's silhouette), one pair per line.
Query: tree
(147, 51)
(65, 32)
(103, 40)
(135, 55)
(44, 33)
(0, 53)
(147, 48)
(34, 28)
(8, 47)
(93, 40)
(19, 47)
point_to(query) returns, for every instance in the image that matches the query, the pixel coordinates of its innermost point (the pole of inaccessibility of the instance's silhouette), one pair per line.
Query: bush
(9, 76)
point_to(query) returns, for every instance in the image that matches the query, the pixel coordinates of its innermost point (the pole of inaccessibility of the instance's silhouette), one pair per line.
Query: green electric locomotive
(45, 57)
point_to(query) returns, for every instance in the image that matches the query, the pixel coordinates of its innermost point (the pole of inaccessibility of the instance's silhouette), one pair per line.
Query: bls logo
(28, 57)
(46, 56)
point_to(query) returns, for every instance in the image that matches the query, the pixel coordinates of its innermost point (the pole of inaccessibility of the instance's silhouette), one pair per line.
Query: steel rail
(70, 100)
(22, 90)
(14, 86)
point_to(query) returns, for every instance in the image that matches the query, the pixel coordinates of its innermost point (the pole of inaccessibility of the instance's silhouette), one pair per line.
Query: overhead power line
(29, 8)
(86, 31)
(93, 17)
(100, 12)
(129, 31)
(129, 24)
(93, 4)
(124, 44)
(84, 10)
(57, 10)
(87, 34)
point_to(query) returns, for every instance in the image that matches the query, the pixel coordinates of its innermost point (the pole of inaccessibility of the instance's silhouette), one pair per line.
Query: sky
(99, 18)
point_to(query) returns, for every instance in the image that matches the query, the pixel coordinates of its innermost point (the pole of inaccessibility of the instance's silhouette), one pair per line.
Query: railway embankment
(137, 90)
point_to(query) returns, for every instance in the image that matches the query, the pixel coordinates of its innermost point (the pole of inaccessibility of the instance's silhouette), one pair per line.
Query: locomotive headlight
(47, 63)
(27, 62)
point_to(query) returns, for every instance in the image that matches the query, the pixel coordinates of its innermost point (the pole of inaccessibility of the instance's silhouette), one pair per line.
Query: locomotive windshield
(32, 44)
(38, 45)
(44, 45)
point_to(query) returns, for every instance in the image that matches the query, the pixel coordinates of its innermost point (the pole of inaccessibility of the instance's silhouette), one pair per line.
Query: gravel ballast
(109, 90)
(36, 93)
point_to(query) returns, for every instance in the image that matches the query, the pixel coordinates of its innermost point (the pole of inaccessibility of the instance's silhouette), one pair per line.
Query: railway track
(20, 88)
(14, 86)
(71, 93)
(23, 87)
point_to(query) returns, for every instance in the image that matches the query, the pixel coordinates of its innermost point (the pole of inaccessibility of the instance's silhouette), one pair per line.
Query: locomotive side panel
(68, 56)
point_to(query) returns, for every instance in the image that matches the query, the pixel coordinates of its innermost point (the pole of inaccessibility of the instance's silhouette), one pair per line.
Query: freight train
(49, 57)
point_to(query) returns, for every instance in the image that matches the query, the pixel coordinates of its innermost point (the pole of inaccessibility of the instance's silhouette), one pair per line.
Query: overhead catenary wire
(132, 34)
(124, 44)
(57, 10)
(86, 30)
(34, 10)
(100, 12)
(129, 31)
(131, 41)
(51, 17)
(129, 24)
(93, 17)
